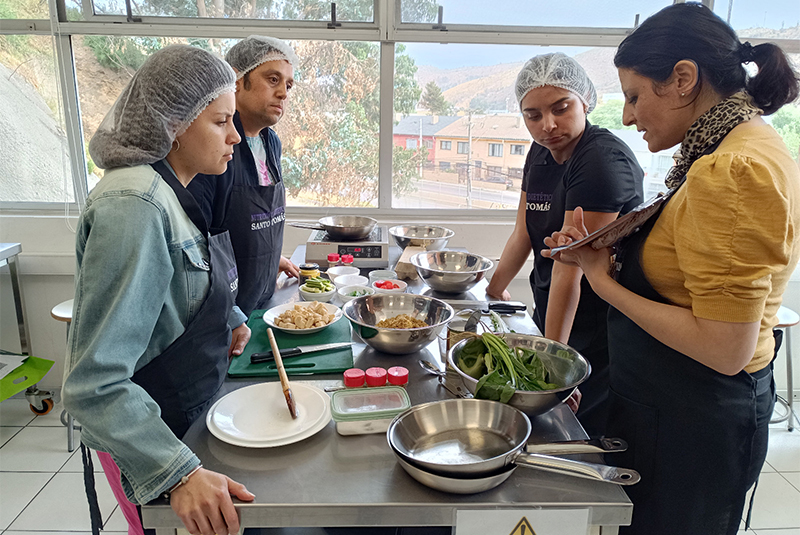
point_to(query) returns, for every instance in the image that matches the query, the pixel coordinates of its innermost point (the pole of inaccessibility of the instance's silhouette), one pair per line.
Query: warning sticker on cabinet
(522, 522)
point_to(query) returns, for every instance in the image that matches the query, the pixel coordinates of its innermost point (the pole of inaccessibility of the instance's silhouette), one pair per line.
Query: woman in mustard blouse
(698, 287)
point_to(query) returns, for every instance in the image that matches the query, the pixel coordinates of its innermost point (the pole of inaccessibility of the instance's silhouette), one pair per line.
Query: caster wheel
(47, 407)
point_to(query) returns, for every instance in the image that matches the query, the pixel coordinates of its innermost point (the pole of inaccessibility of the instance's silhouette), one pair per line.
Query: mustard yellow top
(727, 243)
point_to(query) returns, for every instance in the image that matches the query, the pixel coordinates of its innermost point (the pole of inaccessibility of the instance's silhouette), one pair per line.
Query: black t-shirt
(602, 175)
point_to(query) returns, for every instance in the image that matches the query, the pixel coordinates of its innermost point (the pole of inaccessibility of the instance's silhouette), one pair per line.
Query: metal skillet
(473, 438)
(343, 227)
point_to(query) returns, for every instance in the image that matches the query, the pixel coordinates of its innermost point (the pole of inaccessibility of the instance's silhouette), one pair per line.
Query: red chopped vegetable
(386, 285)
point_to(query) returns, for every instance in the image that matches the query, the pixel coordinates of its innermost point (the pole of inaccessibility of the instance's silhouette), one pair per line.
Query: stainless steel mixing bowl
(570, 372)
(366, 311)
(430, 237)
(451, 271)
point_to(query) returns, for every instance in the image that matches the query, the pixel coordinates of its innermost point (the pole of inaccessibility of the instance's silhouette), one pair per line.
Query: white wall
(47, 265)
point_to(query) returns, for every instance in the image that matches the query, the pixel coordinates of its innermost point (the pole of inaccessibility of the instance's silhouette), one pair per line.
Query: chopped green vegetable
(317, 285)
(501, 370)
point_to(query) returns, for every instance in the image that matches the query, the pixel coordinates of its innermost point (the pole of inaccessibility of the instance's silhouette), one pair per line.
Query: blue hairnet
(162, 99)
(249, 53)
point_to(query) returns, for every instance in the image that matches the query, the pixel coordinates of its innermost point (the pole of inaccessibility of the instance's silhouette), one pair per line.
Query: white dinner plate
(256, 416)
(271, 315)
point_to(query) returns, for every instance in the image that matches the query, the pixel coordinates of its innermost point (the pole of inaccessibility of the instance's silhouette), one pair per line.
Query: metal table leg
(19, 307)
(789, 386)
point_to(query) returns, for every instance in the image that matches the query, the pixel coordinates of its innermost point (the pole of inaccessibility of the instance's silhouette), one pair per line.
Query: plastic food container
(368, 410)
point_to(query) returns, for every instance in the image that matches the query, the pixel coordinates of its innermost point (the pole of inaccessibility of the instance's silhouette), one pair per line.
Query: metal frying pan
(343, 227)
(473, 438)
(475, 485)
(456, 485)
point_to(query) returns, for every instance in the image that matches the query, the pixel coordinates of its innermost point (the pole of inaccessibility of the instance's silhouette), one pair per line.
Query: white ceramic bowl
(271, 314)
(314, 296)
(400, 289)
(349, 289)
(381, 274)
(350, 280)
(338, 271)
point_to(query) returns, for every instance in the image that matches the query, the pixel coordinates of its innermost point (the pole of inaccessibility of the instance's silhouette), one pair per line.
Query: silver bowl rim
(415, 263)
(469, 378)
(352, 303)
(448, 234)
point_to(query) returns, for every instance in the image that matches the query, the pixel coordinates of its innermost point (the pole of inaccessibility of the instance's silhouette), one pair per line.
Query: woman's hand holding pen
(594, 263)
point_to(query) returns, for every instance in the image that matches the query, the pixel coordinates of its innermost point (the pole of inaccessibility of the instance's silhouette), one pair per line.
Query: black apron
(255, 218)
(697, 437)
(589, 333)
(185, 377)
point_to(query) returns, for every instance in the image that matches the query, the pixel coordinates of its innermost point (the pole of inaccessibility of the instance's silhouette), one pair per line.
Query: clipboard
(621, 227)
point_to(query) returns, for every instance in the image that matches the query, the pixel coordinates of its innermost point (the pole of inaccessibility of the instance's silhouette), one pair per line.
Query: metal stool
(63, 312)
(787, 318)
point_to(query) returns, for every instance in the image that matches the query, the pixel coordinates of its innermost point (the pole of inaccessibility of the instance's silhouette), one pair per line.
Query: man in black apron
(249, 199)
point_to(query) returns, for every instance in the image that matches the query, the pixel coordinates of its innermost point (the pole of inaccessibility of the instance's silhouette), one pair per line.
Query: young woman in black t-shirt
(571, 163)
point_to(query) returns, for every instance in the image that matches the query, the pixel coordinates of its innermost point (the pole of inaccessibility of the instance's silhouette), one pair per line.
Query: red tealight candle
(398, 376)
(376, 377)
(354, 377)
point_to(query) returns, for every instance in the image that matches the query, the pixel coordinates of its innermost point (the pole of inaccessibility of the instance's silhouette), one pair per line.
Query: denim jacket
(142, 274)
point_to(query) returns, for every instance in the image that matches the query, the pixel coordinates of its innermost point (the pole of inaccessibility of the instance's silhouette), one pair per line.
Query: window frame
(385, 29)
(495, 150)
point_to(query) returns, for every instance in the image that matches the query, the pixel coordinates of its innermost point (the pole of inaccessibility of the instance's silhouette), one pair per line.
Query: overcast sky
(596, 13)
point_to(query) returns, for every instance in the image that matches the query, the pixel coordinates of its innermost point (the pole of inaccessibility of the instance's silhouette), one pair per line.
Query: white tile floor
(41, 484)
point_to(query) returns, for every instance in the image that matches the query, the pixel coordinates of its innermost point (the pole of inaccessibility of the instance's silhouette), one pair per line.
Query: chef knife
(295, 351)
(497, 306)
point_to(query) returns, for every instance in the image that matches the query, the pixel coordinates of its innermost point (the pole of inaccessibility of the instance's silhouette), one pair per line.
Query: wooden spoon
(287, 392)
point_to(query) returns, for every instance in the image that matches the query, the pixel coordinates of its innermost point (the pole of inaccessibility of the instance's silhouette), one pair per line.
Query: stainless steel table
(331, 480)
(8, 256)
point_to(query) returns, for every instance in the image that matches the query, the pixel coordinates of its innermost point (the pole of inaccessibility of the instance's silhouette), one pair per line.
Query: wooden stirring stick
(287, 392)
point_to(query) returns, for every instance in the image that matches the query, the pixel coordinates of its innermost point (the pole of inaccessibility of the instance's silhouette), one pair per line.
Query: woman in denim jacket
(155, 291)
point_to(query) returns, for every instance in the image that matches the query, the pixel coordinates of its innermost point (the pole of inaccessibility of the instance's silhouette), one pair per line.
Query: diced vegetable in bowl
(317, 289)
(348, 293)
(529, 372)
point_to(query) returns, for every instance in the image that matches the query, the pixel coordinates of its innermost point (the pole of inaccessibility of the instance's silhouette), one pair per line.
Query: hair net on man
(249, 53)
(162, 99)
(557, 70)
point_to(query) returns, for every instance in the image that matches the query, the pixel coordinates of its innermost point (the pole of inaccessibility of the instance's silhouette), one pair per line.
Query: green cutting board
(331, 361)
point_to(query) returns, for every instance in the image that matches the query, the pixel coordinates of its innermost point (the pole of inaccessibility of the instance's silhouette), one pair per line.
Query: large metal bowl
(430, 237)
(366, 311)
(451, 271)
(535, 403)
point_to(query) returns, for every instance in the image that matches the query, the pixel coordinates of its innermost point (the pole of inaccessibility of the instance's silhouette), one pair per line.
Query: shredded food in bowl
(401, 321)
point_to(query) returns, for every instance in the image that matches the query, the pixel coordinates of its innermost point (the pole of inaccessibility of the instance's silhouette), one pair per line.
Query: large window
(381, 117)
(590, 13)
(346, 10)
(35, 163)
(329, 133)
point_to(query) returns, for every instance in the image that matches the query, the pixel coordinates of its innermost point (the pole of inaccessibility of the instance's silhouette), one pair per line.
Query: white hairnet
(162, 99)
(249, 53)
(557, 70)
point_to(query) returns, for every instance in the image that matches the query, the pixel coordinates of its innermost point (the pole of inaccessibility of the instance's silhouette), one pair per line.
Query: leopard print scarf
(708, 130)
